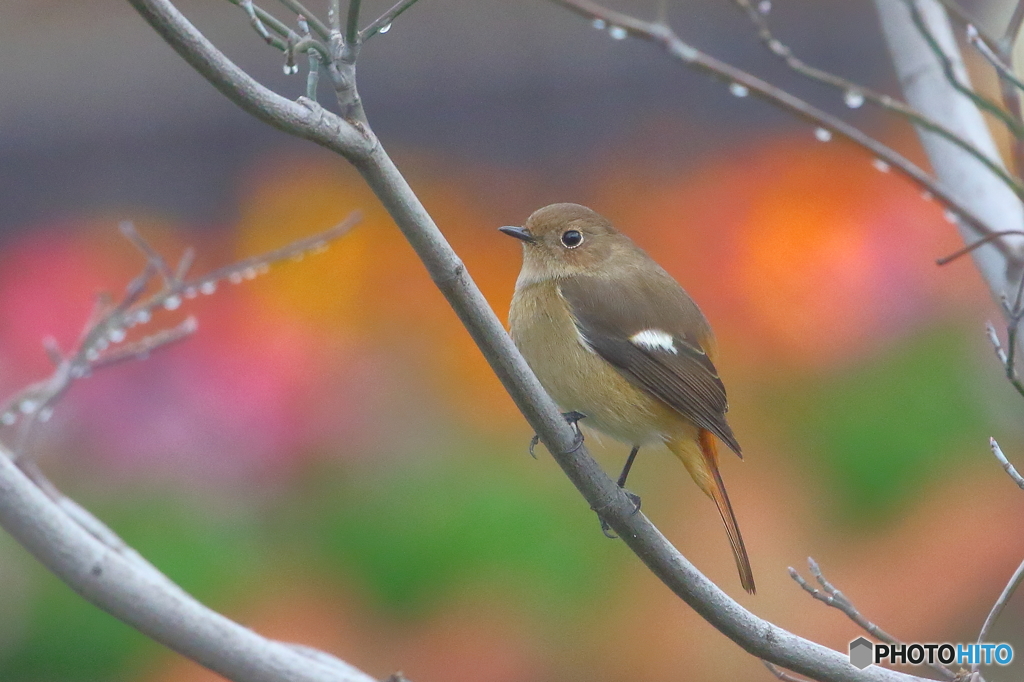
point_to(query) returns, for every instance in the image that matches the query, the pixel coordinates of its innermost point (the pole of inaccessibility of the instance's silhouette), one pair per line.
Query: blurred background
(329, 460)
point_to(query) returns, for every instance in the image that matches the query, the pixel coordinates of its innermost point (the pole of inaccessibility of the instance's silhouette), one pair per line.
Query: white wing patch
(655, 339)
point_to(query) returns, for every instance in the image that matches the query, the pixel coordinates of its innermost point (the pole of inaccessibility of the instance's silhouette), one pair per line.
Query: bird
(613, 337)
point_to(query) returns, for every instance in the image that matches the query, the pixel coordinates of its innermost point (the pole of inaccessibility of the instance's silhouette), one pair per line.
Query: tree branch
(115, 582)
(927, 89)
(758, 636)
(743, 83)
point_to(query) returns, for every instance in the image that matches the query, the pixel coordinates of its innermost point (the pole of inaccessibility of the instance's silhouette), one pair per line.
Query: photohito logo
(864, 652)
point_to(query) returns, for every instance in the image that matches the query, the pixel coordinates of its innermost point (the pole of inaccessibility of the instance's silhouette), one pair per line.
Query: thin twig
(981, 242)
(319, 27)
(384, 21)
(103, 339)
(1012, 124)
(352, 22)
(1001, 602)
(833, 597)
(665, 37)
(1007, 467)
(1013, 26)
(855, 94)
(986, 51)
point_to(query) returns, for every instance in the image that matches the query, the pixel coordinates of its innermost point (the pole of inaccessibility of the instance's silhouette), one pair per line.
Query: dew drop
(101, 344)
(249, 273)
(853, 99)
(927, 196)
(385, 28)
(599, 24)
(263, 268)
(950, 215)
(116, 335)
(617, 33)
(8, 418)
(235, 277)
(92, 354)
(172, 302)
(822, 134)
(290, 69)
(191, 292)
(298, 256)
(45, 414)
(143, 316)
(765, 6)
(208, 287)
(28, 406)
(738, 90)
(318, 248)
(880, 166)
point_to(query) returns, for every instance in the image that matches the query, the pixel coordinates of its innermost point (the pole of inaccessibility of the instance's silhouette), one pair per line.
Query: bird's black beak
(519, 233)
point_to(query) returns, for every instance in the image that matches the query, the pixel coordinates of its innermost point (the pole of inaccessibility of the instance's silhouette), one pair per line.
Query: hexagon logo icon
(862, 652)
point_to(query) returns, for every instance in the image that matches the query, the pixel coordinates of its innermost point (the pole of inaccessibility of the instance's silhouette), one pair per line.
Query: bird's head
(564, 240)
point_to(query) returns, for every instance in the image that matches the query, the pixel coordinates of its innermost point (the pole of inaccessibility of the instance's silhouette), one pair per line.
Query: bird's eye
(571, 239)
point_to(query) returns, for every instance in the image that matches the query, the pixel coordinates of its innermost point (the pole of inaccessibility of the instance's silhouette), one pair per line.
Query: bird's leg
(633, 497)
(572, 418)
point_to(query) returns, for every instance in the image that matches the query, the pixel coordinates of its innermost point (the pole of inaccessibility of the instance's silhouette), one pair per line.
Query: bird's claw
(572, 418)
(635, 499)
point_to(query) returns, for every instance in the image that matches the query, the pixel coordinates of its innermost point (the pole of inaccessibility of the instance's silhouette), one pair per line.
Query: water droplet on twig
(765, 6)
(385, 28)
(880, 165)
(822, 134)
(738, 89)
(617, 33)
(235, 278)
(8, 418)
(172, 302)
(116, 335)
(599, 24)
(853, 99)
(28, 406)
(950, 215)
(208, 288)
(45, 414)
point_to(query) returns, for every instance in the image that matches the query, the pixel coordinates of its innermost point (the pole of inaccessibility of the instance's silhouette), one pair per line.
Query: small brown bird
(611, 335)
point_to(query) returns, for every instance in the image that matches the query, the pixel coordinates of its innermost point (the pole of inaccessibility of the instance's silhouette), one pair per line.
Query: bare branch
(352, 22)
(300, 11)
(360, 146)
(974, 245)
(1009, 468)
(833, 597)
(383, 23)
(664, 36)
(1013, 27)
(115, 582)
(855, 95)
(1004, 597)
(927, 88)
(1013, 125)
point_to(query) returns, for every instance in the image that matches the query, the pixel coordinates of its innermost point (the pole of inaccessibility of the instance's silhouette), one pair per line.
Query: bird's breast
(576, 377)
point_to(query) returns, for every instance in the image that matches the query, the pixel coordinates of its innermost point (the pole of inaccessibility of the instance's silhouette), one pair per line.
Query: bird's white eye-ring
(572, 238)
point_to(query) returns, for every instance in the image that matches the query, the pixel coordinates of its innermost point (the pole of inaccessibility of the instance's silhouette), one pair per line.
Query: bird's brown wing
(609, 315)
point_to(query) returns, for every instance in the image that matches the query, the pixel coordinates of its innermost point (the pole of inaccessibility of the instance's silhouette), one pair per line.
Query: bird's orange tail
(701, 460)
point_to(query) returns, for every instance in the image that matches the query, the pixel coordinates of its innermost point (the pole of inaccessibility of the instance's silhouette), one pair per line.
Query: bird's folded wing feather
(655, 338)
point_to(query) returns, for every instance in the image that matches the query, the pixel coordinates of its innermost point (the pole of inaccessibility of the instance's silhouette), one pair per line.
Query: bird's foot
(635, 499)
(572, 418)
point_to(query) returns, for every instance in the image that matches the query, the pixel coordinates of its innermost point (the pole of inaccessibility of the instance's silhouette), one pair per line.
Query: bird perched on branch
(612, 336)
